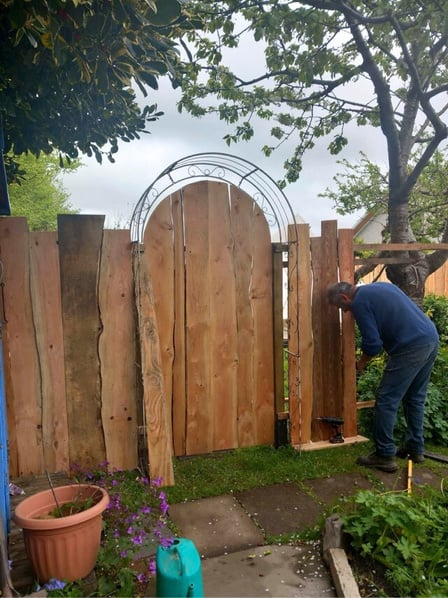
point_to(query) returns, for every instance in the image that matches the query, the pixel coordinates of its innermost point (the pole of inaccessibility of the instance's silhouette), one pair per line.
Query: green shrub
(406, 533)
(436, 409)
(436, 306)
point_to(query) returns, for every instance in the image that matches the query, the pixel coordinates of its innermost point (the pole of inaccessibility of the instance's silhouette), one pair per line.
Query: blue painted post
(4, 472)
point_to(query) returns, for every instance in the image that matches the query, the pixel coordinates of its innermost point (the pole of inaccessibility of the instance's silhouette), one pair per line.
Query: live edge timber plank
(80, 242)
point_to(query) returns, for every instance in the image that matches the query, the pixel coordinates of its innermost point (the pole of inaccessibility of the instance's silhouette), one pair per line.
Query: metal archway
(223, 167)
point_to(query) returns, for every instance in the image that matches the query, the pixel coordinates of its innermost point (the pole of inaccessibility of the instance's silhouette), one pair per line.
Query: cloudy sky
(114, 189)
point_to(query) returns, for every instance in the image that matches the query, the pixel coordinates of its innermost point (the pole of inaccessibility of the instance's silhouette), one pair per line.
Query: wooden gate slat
(301, 335)
(159, 251)
(46, 293)
(242, 208)
(117, 350)
(199, 406)
(157, 424)
(179, 367)
(23, 386)
(80, 239)
(261, 304)
(223, 331)
(346, 272)
(331, 341)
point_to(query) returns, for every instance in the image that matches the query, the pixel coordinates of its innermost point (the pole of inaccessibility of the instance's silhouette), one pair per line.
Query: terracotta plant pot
(65, 547)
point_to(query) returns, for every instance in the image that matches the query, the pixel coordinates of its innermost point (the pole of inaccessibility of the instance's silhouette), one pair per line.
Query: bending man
(387, 319)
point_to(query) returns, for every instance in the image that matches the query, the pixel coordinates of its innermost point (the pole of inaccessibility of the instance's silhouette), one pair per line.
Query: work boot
(403, 453)
(378, 462)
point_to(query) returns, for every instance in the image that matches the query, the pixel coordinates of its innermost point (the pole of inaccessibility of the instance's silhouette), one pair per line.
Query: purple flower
(124, 554)
(152, 567)
(55, 584)
(146, 510)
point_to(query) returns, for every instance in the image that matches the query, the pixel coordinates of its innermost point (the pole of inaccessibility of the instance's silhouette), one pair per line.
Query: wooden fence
(89, 377)
(436, 284)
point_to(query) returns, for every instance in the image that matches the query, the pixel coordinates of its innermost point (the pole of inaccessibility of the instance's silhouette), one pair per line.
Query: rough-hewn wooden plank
(200, 406)
(400, 246)
(157, 425)
(295, 399)
(117, 350)
(223, 325)
(261, 303)
(179, 370)
(241, 212)
(331, 342)
(277, 297)
(305, 332)
(47, 310)
(318, 431)
(80, 240)
(346, 272)
(23, 386)
(159, 251)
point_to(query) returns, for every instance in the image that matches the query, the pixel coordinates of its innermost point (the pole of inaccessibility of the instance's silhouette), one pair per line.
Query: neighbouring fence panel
(215, 305)
(73, 290)
(436, 284)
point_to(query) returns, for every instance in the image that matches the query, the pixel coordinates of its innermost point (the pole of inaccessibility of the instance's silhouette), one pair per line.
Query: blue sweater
(388, 319)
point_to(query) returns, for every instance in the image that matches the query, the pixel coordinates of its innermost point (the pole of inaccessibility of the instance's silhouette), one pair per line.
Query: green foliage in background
(38, 193)
(408, 534)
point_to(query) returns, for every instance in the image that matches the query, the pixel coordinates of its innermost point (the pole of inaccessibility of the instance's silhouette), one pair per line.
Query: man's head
(341, 295)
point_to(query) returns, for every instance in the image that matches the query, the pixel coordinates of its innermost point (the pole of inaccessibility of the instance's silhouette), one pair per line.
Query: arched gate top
(223, 167)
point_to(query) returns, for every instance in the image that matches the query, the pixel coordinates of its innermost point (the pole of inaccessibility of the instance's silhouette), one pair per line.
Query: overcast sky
(114, 189)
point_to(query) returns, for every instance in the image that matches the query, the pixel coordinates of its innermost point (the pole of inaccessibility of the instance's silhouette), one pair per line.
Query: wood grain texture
(80, 244)
(23, 386)
(117, 350)
(158, 428)
(159, 251)
(47, 309)
(346, 272)
(223, 323)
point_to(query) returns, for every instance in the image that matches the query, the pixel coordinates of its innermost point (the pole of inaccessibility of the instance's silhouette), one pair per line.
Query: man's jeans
(405, 378)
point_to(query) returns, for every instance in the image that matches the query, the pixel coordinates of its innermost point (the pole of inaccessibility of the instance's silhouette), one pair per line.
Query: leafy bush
(436, 306)
(407, 534)
(436, 409)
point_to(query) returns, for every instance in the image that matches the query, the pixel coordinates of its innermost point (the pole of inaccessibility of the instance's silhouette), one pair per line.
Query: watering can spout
(178, 570)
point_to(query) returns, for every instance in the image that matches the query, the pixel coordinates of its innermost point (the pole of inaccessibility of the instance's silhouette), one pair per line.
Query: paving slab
(280, 508)
(332, 488)
(217, 525)
(280, 571)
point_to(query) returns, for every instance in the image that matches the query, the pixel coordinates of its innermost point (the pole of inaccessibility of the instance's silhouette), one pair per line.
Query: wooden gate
(208, 250)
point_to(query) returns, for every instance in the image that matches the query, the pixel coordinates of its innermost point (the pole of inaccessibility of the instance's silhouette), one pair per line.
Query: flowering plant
(134, 524)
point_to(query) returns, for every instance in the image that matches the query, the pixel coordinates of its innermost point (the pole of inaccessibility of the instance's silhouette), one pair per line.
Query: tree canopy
(39, 194)
(363, 185)
(327, 63)
(69, 70)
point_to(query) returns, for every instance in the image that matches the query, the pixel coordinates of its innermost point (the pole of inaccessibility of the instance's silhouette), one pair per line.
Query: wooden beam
(400, 246)
(365, 404)
(383, 260)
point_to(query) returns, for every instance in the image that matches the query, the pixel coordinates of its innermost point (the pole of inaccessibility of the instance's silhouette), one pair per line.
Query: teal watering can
(178, 570)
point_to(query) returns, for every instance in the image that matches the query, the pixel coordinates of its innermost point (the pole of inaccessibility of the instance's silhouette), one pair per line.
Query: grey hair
(336, 290)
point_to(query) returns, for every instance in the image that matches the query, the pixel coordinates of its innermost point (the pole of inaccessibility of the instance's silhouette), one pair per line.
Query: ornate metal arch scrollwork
(222, 167)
